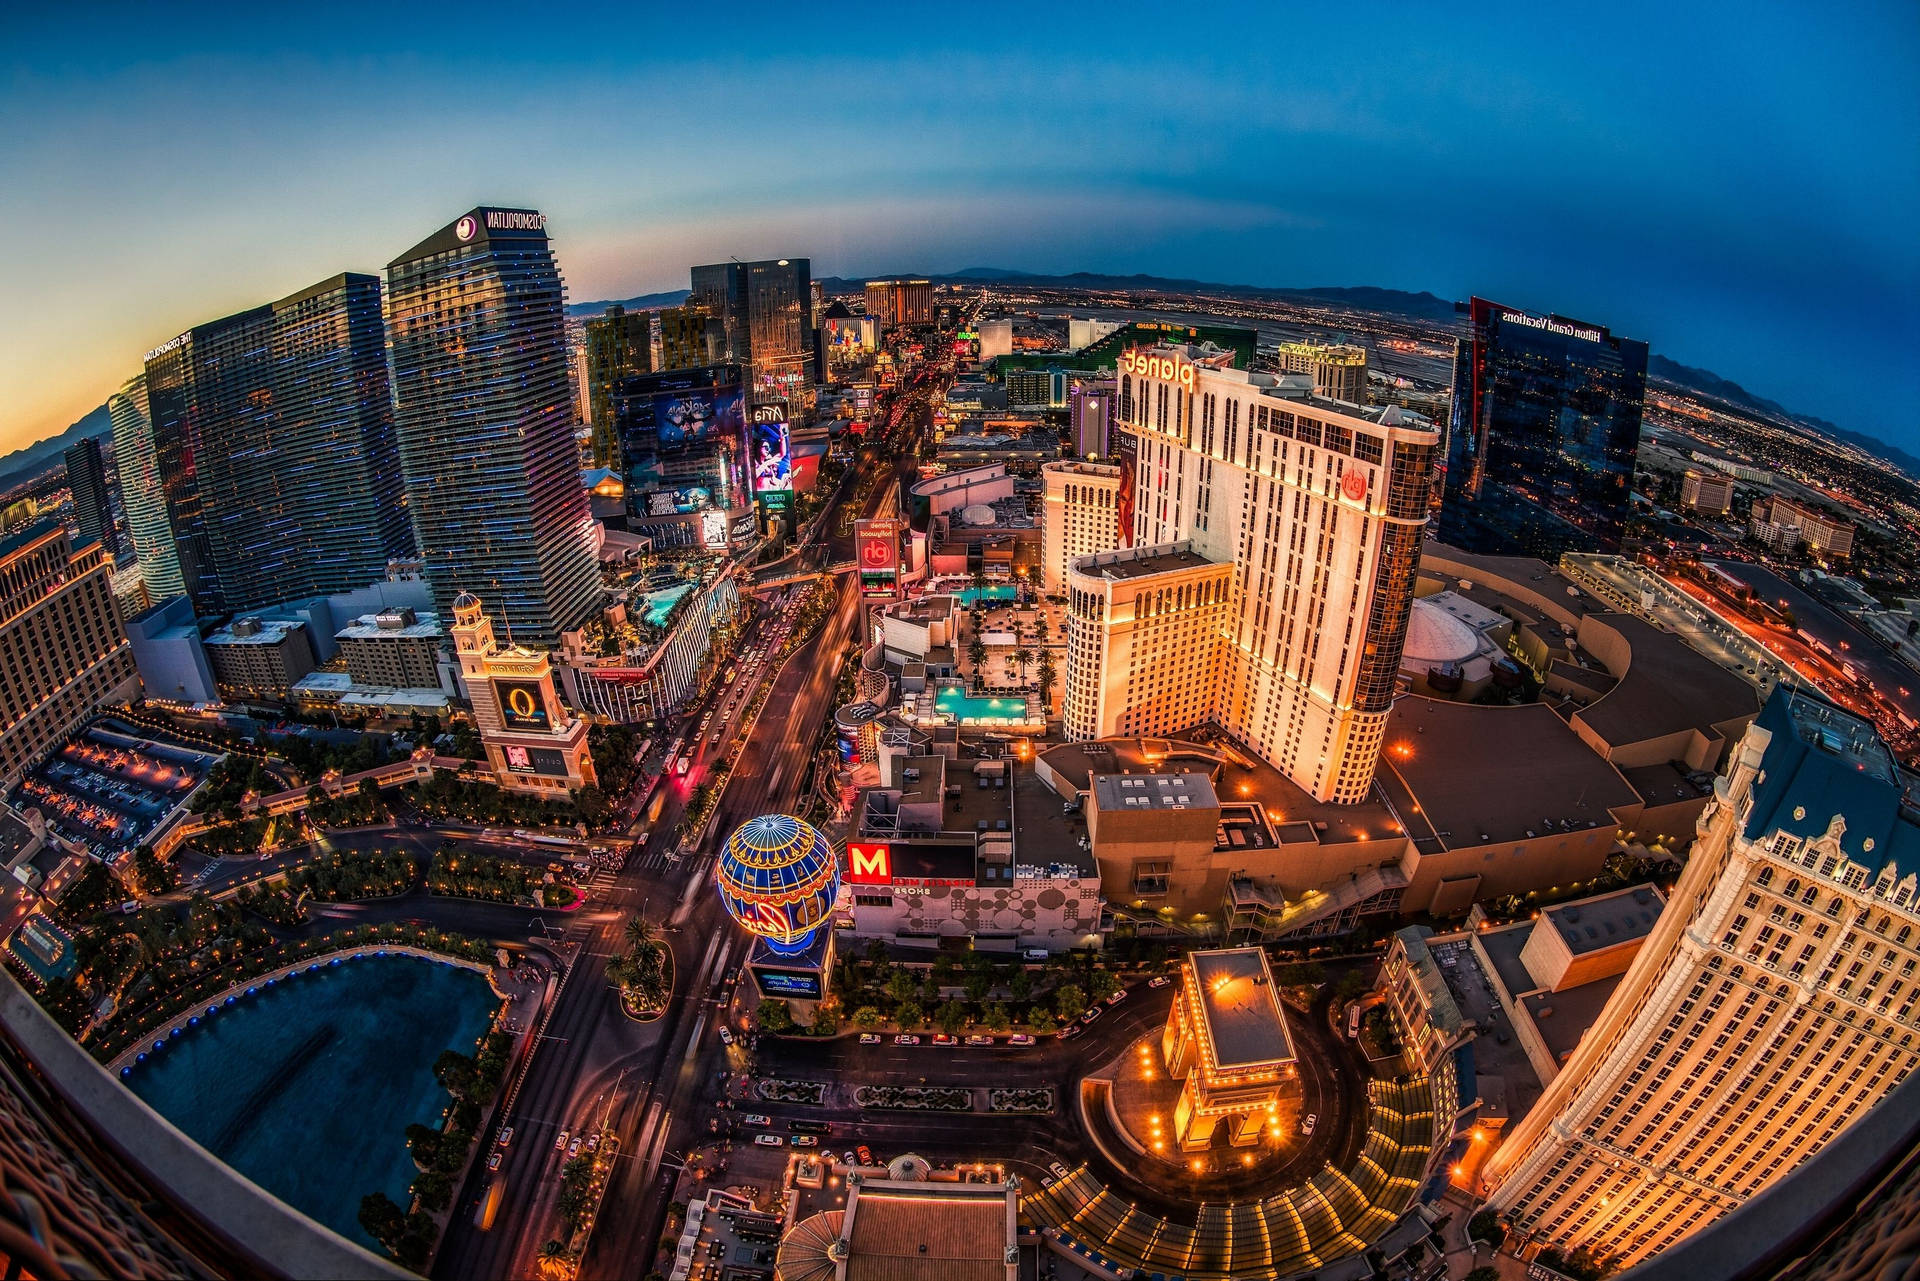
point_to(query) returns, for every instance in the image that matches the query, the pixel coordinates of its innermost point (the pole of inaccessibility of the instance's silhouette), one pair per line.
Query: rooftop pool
(306, 1086)
(660, 604)
(1001, 592)
(972, 709)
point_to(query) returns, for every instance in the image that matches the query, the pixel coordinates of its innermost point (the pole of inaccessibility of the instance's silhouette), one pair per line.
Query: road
(647, 1079)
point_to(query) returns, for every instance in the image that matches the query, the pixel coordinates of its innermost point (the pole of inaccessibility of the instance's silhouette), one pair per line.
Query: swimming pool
(972, 709)
(307, 1085)
(998, 592)
(660, 604)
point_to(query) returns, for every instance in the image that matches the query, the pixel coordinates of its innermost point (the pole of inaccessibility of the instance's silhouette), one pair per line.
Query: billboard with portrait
(713, 529)
(798, 984)
(771, 456)
(695, 415)
(521, 705)
(535, 760)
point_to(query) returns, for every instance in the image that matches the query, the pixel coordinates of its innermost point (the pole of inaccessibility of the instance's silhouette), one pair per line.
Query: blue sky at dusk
(1735, 184)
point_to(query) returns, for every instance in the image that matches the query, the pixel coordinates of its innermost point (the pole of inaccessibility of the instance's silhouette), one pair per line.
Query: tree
(383, 1220)
(901, 985)
(639, 932)
(434, 1189)
(153, 875)
(773, 1015)
(995, 1019)
(867, 1018)
(1021, 984)
(1021, 657)
(454, 1070)
(1049, 674)
(952, 1016)
(1485, 1226)
(1102, 984)
(1352, 984)
(1301, 974)
(1070, 1001)
(977, 655)
(826, 1019)
(1041, 1019)
(1484, 1273)
(910, 1014)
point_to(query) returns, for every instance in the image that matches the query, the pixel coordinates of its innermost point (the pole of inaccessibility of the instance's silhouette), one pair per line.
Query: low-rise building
(167, 650)
(1784, 525)
(259, 657)
(908, 1230)
(1706, 491)
(1226, 1039)
(396, 648)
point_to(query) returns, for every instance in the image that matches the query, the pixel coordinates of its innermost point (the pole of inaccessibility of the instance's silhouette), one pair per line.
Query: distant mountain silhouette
(645, 302)
(1707, 383)
(23, 465)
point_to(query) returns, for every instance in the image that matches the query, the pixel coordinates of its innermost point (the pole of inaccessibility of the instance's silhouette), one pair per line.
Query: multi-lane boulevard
(593, 1065)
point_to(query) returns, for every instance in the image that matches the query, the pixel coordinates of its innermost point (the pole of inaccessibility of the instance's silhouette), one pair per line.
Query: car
(866, 1154)
(506, 1135)
(941, 1038)
(906, 1038)
(1069, 1031)
(1091, 1015)
(1020, 1038)
(493, 1162)
(1117, 997)
(1308, 1122)
(755, 1118)
(593, 1140)
(769, 1140)
(979, 1040)
(1059, 1171)
(806, 1140)
(726, 1036)
(1158, 980)
(869, 1038)
(560, 1140)
(848, 1158)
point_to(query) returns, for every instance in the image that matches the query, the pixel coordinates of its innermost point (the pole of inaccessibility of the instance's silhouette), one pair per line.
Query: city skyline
(1582, 180)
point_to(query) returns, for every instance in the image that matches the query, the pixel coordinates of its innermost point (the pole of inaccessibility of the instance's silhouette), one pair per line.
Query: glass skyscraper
(273, 431)
(477, 312)
(766, 311)
(140, 492)
(87, 482)
(619, 345)
(1545, 425)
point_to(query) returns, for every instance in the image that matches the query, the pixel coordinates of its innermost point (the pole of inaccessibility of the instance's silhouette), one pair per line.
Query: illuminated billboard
(869, 864)
(801, 985)
(695, 415)
(535, 760)
(771, 455)
(910, 864)
(521, 706)
(876, 547)
(713, 529)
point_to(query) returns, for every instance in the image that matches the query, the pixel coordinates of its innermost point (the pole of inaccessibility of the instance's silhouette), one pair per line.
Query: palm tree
(639, 933)
(1023, 656)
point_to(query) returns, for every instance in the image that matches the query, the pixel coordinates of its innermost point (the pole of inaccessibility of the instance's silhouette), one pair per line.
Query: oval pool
(307, 1085)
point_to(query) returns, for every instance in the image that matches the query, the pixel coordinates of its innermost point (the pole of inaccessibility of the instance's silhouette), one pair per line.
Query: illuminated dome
(1435, 636)
(777, 877)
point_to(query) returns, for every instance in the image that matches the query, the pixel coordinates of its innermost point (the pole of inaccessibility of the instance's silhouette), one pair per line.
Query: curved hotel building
(1310, 515)
(1771, 1007)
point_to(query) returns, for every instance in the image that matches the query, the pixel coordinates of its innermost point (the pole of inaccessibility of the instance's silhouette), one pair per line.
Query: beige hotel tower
(1770, 1009)
(1270, 540)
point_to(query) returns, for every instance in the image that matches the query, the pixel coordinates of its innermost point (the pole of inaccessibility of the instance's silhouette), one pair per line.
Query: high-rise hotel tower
(1317, 507)
(1770, 1009)
(477, 314)
(140, 492)
(273, 432)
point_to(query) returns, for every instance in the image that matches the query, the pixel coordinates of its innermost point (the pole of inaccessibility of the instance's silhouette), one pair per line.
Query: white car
(769, 1140)
(1308, 1122)
(1020, 1038)
(754, 1118)
(1059, 1171)
(906, 1038)
(726, 1036)
(560, 1140)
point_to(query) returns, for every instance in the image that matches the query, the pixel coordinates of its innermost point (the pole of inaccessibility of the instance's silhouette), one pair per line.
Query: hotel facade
(1770, 1009)
(1313, 510)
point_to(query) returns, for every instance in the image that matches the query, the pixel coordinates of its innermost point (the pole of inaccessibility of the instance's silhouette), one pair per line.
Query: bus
(810, 1127)
(490, 1204)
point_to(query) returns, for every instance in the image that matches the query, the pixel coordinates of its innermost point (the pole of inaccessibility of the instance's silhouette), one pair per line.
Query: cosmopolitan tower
(1314, 508)
(477, 317)
(1771, 1008)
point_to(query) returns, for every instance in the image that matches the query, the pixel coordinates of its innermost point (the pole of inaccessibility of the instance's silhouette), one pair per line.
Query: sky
(1735, 184)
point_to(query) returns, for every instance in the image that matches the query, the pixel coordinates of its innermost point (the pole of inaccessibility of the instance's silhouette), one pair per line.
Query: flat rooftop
(1179, 790)
(271, 632)
(1243, 1019)
(1463, 775)
(368, 627)
(1144, 564)
(1668, 688)
(1606, 920)
(1562, 1018)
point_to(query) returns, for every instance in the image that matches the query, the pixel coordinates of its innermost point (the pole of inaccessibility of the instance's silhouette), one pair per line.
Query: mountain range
(23, 465)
